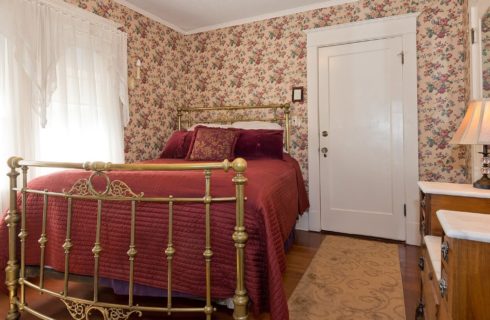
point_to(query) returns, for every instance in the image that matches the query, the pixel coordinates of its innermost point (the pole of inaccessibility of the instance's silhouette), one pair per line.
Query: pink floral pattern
(260, 62)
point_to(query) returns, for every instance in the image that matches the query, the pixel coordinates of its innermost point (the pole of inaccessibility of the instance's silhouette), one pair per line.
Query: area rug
(350, 279)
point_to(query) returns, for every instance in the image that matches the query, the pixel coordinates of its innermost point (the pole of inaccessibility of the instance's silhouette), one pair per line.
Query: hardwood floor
(299, 257)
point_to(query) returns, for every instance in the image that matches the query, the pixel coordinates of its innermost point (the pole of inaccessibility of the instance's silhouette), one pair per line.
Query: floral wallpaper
(260, 62)
(485, 40)
(153, 100)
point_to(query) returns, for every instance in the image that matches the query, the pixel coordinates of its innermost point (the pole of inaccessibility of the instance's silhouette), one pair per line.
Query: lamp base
(483, 183)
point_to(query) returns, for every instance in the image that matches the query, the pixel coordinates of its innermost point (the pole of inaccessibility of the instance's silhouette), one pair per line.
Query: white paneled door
(361, 138)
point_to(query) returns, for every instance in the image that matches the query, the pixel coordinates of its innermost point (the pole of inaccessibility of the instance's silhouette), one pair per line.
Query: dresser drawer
(430, 291)
(443, 312)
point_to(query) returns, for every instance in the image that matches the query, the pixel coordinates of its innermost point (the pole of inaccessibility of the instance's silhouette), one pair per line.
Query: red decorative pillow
(259, 143)
(212, 144)
(177, 145)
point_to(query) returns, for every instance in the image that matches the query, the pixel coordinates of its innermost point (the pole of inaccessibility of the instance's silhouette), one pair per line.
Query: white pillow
(210, 125)
(256, 125)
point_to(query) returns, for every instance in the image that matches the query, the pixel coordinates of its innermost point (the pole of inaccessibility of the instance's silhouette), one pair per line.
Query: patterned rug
(350, 279)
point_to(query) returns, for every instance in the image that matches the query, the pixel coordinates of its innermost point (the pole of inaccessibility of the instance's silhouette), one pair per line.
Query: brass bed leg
(12, 269)
(240, 237)
(287, 114)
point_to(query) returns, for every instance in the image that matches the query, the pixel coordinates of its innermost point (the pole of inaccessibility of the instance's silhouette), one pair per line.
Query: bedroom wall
(260, 62)
(152, 102)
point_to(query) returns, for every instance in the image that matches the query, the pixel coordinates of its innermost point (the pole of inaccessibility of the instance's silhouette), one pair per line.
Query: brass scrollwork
(76, 310)
(80, 188)
(116, 188)
(82, 311)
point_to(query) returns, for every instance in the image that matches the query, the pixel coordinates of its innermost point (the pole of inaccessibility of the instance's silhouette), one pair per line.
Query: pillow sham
(177, 145)
(256, 125)
(212, 144)
(210, 125)
(260, 143)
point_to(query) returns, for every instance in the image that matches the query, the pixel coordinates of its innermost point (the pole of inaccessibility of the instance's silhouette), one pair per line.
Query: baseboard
(302, 223)
(413, 233)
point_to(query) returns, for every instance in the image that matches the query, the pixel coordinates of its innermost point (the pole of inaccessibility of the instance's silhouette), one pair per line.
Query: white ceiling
(193, 16)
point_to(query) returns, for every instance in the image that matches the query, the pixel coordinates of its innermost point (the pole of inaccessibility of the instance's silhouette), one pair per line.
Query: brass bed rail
(116, 190)
(232, 117)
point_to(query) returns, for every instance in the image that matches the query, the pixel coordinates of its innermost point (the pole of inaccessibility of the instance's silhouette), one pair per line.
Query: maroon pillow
(177, 145)
(212, 144)
(259, 143)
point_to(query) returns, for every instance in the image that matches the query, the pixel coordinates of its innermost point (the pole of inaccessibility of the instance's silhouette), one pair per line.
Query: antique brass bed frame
(227, 118)
(116, 190)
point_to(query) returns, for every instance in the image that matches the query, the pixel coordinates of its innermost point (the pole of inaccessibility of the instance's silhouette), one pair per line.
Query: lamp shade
(475, 128)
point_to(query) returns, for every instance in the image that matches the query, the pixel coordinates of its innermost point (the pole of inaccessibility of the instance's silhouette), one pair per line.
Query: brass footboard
(116, 190)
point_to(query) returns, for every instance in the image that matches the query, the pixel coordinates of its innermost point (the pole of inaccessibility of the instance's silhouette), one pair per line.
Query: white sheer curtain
(63, 84)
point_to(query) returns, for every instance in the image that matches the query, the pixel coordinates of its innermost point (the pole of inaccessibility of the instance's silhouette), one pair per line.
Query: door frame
(404, 26)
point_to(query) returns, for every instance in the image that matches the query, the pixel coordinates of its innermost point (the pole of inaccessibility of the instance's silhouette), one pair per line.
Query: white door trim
(404, 26)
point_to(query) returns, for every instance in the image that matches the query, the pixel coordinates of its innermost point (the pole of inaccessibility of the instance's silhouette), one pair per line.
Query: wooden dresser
(455, 254)
(448, 196)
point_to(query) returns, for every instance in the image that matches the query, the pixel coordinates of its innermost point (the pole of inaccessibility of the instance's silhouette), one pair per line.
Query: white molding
(363, 23)
(320, 5)
(362, 31)
(151, 16)
(404, 26)
(302, 223)
(413, 233)
(477, 9)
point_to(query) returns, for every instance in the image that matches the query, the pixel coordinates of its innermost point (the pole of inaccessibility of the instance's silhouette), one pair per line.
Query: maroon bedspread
(275, 195)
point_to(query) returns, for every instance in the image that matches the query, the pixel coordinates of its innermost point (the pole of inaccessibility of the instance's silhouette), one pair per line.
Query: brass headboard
(233, 118)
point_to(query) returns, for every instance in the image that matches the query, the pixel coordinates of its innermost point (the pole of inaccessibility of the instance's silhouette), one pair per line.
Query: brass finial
(239, 165)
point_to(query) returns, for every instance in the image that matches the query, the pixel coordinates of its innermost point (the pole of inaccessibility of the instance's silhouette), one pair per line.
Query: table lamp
(475, 129)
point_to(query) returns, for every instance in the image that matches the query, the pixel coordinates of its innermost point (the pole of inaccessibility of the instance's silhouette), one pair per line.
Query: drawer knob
(419, 313)
(421, 263)
(443, 287)
(444, 250)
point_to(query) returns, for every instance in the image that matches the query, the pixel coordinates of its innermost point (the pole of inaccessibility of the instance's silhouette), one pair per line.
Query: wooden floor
(298, 259)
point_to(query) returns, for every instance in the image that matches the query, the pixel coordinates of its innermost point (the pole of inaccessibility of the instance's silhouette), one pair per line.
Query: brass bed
(113, 190)
(116, 191)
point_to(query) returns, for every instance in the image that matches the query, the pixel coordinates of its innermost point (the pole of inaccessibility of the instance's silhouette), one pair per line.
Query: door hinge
(404, 209)
(402, 55)
(472, 35)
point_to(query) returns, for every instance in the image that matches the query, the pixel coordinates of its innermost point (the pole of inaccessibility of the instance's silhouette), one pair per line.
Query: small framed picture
(298, 94)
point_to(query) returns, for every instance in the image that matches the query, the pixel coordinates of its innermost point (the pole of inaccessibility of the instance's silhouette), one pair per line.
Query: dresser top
(433, 244)
(465, 225)
(453, 189)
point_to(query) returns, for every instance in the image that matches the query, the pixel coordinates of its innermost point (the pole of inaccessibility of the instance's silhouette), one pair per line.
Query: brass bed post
(179, 118)
(132, 253)
(67, 245)
(208, 253)
(43, 239)
(240, 237)
(96, 251)
(23, 237)
(169, 252)
(287, 113)
(12, 218)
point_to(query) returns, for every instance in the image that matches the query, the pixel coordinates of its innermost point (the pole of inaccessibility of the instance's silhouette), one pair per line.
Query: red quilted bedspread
(275, 194)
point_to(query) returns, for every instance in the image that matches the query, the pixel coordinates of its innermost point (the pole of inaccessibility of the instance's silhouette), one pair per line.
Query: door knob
(324, 133)
(324, 150)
